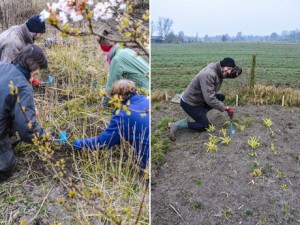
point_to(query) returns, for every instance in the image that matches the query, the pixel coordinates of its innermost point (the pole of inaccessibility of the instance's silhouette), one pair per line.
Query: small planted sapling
(255, 163)
(210, 128)
(283, 187)
(211, 147)
(273, 149)
(253, 142)
(242, 127)
(213, 139)
(268, 123)
(225, 139)
(224, 132)
(253, 154)
(256, 173)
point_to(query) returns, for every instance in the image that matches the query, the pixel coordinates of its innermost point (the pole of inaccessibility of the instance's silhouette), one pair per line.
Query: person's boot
(174, 127)
(4, 175)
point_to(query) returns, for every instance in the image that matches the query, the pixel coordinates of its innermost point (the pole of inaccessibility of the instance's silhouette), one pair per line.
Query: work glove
(229, 111)
(35, 82)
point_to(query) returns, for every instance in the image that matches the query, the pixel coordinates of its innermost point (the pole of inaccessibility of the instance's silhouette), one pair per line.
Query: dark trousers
(7, 159)
(198, 113)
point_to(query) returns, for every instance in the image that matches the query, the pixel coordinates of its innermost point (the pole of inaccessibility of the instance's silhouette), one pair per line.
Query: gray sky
(212, 17)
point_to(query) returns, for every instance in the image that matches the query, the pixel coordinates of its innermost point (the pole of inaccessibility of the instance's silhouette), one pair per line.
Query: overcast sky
(217, 17)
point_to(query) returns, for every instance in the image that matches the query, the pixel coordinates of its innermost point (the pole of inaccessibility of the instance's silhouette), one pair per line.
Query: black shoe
(4, 175)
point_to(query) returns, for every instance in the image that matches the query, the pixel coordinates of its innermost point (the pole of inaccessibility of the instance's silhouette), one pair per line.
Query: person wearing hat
(201, 95)
(124, 64)
(14, 39)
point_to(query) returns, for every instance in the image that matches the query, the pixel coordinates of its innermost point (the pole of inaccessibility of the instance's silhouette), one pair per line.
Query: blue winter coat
(11, 117)
(133, 128)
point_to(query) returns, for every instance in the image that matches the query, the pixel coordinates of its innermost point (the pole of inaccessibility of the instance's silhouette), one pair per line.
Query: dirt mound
(194, 186)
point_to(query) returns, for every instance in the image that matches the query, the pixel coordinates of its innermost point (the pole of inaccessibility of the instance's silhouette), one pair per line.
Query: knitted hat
(35, 25)
(227, 62)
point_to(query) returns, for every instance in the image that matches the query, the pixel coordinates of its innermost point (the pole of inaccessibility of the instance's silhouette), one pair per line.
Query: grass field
(190, 184)
(174, 65)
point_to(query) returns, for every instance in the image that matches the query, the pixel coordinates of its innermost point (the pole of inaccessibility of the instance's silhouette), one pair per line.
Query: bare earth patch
(194, 186)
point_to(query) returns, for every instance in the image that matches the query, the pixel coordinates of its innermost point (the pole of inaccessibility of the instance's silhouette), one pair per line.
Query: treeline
(285, 36)
(166, 35)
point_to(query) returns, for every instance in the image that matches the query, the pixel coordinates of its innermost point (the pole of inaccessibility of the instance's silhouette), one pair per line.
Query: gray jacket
(12, 41)
(204, 86)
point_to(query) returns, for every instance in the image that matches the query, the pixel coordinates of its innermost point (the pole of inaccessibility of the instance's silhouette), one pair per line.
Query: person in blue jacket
(27, 62)
(132, 125)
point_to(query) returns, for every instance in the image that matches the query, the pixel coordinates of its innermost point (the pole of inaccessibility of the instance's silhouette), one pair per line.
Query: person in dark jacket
(27, 62)
(132, 125)
(201, 95)
(14, 39)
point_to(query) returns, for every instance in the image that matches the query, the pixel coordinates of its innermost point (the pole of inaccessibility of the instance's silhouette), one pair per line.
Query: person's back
(124, 64)
(17, 104)
(136, 125)
(133, 66)
(10, 73)
(14, 39)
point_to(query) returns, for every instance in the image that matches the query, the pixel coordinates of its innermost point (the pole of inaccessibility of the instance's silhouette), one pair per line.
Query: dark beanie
(35, 25)
(227, 62)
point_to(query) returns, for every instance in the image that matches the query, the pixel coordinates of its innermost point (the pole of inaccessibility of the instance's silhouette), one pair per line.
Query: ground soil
(197, 187)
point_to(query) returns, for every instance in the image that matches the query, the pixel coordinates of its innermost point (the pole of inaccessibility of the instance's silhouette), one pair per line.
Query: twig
(178, 213)
(82, 34)
(41, 206)
(142, 203)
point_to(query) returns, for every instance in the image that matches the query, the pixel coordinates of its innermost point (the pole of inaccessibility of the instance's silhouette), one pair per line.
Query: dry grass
(110, 180)
(17, 12)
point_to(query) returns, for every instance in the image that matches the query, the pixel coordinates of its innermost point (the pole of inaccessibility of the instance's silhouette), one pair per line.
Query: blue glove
(77, 144)
(62, 137)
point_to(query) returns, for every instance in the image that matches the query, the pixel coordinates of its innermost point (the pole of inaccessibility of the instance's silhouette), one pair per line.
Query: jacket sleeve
(209, 94)
(115, 73)
(109, 137)
(20, 123)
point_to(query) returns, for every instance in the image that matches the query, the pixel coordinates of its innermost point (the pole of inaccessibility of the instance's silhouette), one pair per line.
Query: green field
(174, 65)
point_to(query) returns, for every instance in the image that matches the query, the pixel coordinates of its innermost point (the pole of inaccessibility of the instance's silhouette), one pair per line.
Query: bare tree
(164, 26)
(225, 37)
(181, 36)
(171, 37)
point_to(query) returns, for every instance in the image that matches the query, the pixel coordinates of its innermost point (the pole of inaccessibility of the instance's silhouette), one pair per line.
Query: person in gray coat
(14, 39)
(26, 63)
(201, 95)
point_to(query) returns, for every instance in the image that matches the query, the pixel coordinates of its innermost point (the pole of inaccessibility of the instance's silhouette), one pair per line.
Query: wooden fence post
(253, 79)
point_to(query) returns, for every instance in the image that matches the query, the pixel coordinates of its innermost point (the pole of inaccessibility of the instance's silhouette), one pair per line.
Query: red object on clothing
(35, 81)
(105, 48)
